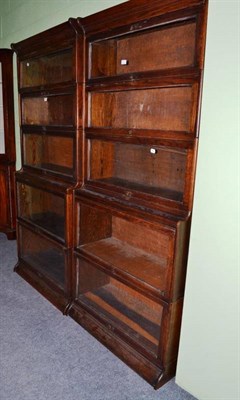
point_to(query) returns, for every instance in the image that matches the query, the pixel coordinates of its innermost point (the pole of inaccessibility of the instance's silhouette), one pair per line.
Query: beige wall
(207, 364)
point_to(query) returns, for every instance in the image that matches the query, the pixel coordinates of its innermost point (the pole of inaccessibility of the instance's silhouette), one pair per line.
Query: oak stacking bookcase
(110, 110)
(50, 82)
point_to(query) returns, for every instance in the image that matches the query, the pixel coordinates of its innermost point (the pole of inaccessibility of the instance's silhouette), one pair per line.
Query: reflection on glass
(2, 141)
(42, 208)
(42, 255)
(137, 317)
(158, 171)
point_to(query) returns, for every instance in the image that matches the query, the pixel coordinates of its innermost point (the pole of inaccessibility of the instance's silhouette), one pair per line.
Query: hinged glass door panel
(49, 153)
(154, 49)
(154, 170)
(42, 208)
(168, 109)
(123, 308)
(54, 110)
(49, 69)
(42, 255)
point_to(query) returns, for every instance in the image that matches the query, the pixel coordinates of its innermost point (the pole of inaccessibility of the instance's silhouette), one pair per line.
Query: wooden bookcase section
(144, 66)
(50, 84)
(110, 110)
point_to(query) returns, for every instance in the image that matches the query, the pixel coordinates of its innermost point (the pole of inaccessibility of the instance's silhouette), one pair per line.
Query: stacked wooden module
(50, 88)
(143, 70)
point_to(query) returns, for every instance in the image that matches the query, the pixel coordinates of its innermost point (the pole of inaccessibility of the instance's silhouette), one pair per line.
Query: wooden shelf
(53, 168)
(65, 87)
(146, 268)
(127, 249)
(154, 191)
(60, 131)
(151, 137)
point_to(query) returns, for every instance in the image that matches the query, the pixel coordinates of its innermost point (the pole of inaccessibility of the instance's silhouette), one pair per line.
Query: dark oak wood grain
(110, 109)
(50, 82)
(143, 73)
(8, 156)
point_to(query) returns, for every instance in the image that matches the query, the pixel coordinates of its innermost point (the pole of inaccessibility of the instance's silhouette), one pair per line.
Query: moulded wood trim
(51, 40)
(50, 291)
(49, 130)
(138, 199)
(47, 90)
(56, 90)
(27, 223)
(143, 136)
(165, 216)
(58, 242)
(134, 11)
(166, 82)
(51, 185)
(140, 364)
(126, 279)
(166, 76)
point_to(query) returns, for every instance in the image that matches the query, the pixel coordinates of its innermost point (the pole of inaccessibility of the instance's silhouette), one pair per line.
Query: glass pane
(50, 153)
(2, 138)
(42, 208)
(165, 109)
(152, 50)
(159, 171)
(136, 316)
(47, 69)
(42, 255)
(51, 110)
(130, 248)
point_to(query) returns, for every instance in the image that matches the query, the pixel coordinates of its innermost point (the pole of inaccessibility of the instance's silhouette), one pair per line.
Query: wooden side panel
(4, 196)
(93, 225)
(171, 333)
(7, 160)
(101, 159)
